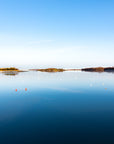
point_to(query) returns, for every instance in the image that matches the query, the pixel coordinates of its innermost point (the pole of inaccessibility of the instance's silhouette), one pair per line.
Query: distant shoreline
(99, 69)
(91, 69)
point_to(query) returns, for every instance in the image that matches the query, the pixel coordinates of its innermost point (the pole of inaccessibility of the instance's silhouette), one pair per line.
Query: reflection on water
(10, 73)
(57, 108)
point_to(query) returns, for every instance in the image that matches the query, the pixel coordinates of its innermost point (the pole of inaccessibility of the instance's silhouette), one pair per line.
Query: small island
(49, 70)
(10, 71)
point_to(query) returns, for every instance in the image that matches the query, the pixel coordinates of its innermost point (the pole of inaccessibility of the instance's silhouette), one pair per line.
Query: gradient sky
(56, 33)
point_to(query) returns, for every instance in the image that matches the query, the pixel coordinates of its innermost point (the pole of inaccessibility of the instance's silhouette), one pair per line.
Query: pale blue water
(57, 108)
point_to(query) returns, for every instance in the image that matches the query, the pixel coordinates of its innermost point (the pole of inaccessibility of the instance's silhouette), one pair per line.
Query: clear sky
(56, 33)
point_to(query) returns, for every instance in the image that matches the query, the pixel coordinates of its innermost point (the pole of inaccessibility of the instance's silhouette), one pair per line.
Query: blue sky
(56, 33)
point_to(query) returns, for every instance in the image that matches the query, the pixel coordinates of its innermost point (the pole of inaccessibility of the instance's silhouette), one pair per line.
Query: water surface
(57, 108)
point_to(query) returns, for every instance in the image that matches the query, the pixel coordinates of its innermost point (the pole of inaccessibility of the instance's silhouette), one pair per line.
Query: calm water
(57, 108)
